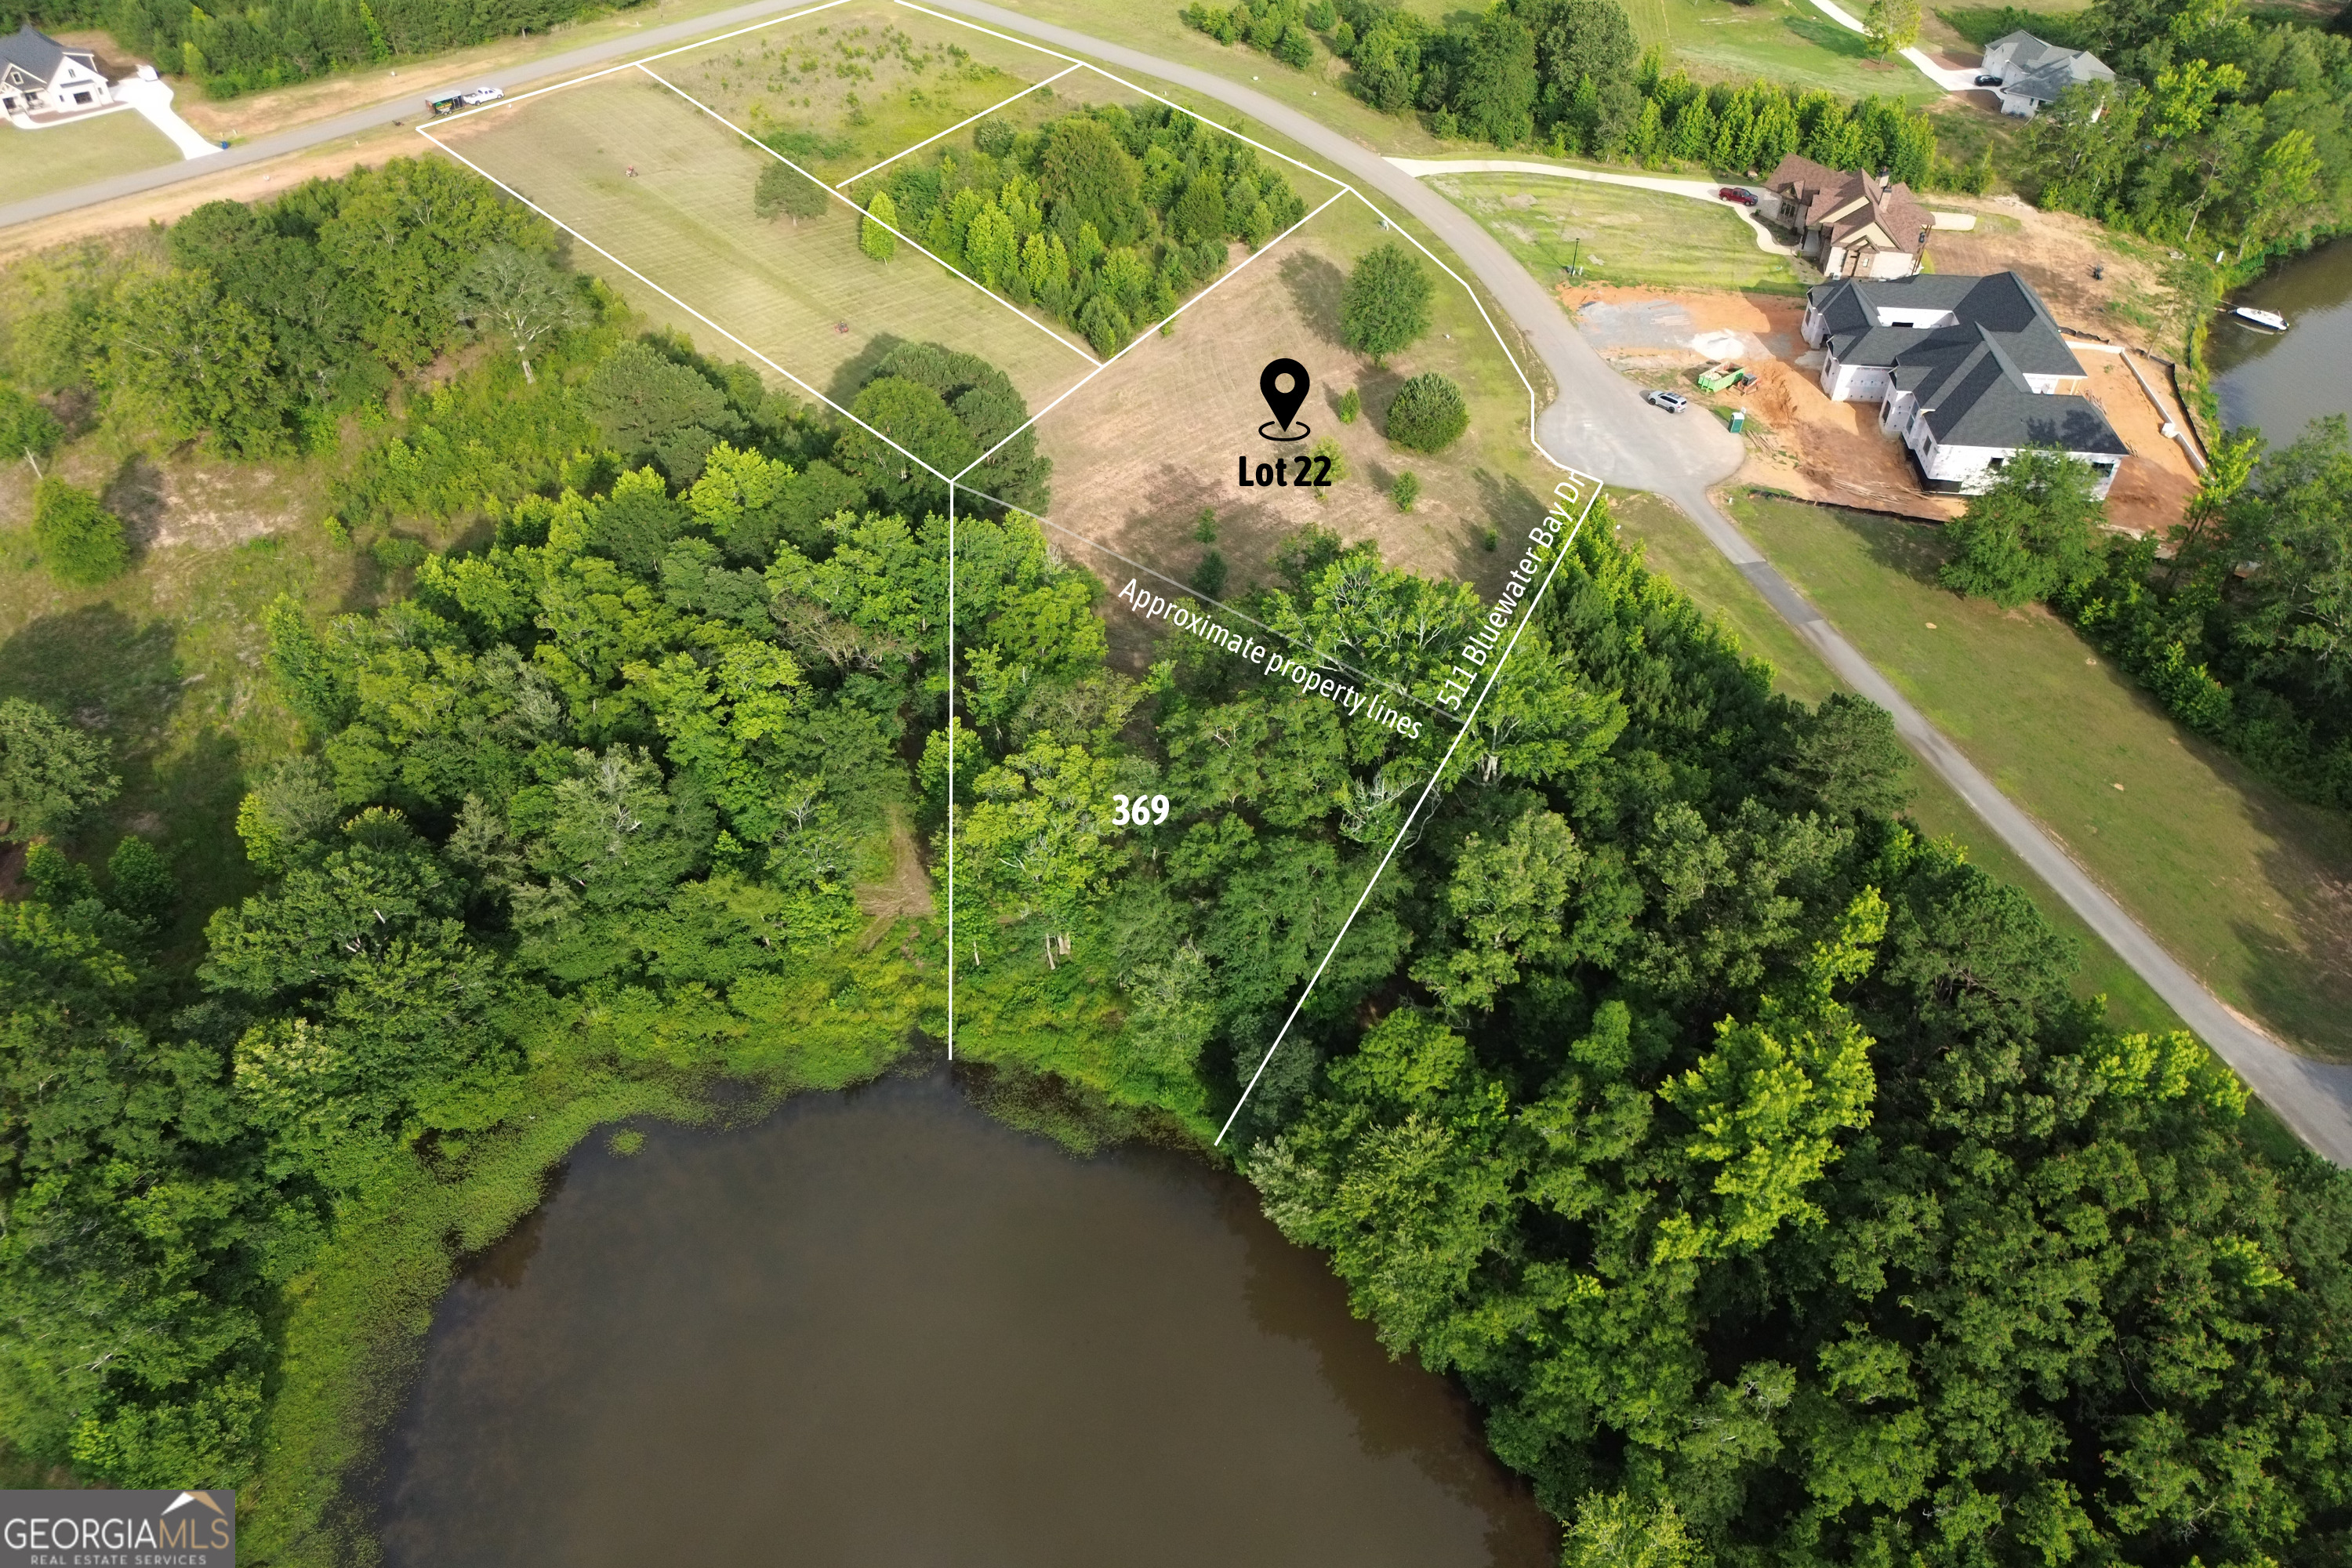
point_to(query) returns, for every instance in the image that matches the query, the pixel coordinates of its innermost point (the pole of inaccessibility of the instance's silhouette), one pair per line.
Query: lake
(2281, 379)
(880, 1329)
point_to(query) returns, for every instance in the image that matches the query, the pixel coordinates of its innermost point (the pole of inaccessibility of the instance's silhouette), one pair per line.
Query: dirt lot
(1145, 447)
(1801, 442)
(2057, 253)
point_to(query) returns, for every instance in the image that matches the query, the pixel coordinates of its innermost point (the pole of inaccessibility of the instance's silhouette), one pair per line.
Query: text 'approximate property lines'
(1559, 553)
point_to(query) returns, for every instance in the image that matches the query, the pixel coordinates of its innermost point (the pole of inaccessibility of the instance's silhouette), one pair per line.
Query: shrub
(1295, 47)
(144, 888)
(50, 771)
(1209, 576)
(1386, 304)
(1204, 527)
(2031, 535)
(1351, 403)
(81, 542)
(993, 136)
(1428, 414)
(873, 236)
(782, 191)
(1328, 447)
(1405, 491)
(26, 429)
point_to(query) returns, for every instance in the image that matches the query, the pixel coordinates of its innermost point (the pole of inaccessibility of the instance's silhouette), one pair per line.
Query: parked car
(481, 95)
(1734, 193)
(1988, 82)
(1671, 402)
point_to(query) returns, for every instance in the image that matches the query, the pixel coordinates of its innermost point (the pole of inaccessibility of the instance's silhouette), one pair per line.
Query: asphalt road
(1598, 423)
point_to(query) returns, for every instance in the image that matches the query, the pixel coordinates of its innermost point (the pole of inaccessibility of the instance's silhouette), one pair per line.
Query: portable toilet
(1738, 420)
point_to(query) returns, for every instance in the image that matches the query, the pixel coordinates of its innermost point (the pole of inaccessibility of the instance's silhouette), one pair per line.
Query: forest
(1104, 218)
(1745, 1154)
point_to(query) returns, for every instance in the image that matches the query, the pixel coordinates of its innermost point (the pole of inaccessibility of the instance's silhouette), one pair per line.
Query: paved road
(1598, 420)
(408, 106)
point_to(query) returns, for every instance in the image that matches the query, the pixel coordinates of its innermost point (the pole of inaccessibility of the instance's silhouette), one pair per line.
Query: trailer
(445, 103)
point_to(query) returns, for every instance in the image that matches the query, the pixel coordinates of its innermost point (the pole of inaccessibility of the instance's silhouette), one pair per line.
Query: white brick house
(1965, 372)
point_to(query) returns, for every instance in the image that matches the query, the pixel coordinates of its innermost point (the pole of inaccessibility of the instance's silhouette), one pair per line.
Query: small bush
(993, 136)
(1204, 527)
(1428, 414)
(1351, 403)
(1385, 305)
(81, 542)
(1405, 491)
(26, 429)
(1328, 447)
(144, 888)
(873, 238)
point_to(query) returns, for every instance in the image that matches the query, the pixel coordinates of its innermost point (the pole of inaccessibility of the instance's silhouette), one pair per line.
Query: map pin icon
(1285, 402)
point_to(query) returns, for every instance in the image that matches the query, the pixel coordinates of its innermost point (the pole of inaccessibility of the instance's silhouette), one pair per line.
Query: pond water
(880, 1329)
(2281, 379)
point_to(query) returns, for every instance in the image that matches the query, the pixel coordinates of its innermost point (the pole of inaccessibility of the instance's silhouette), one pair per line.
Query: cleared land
(35, 162)
(1784, 40)
(2251, 890)
(802, 294)
(844, 89)
(1142, 451)
(165, 662)
(1618, 234)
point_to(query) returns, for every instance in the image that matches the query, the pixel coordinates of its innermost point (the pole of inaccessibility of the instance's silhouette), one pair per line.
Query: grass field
(35, 162)
(165, 661)
(1142, 449)
(802, 294)
(863, 82)
(1619, 233)
(1784, 40)
(1672, 545)
(2253, 892)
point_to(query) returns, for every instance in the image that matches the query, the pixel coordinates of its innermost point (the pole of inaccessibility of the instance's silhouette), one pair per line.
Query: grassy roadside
(1618, 234)
(2244, 886)
(1672, 545)
(59, 157)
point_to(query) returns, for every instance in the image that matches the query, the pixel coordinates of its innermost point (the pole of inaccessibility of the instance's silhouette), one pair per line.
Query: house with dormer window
(39, 74)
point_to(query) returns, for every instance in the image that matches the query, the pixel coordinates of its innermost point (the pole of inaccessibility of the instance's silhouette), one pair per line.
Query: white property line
(627, 65)
(681, 304)
(1322, 660)
(1157, 327)
(1493, 675)
(956, 127)
(951, 800)
(869, 217)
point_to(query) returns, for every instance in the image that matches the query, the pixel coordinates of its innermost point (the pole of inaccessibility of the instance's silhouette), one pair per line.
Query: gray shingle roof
(34, 53)
(1968, 375)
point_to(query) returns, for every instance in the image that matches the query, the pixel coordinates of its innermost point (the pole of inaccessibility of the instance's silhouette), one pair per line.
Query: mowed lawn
(2249, 889)
(1786, 41)
(1618, 234)
(1144, 449)
(35, 162)
(802, 294)
(1672, 545)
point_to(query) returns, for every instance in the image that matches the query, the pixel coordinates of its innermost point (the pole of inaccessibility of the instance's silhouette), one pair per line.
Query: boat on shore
(2271, 320)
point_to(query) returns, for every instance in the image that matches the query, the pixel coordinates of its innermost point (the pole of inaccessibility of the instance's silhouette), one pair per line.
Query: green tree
(1845, 758)
(142, 885)
(81, 542)
(782, 191)
(647, 405)
(518, 296)
(27, 428)
(50, 773)
(902, 427)
(1385, 306)
(199, 364)
(1428, 414)
(1578, 41)
(403, 230)
(874, 230)
(1386, 63)
(1406, 491)
(1494, 86)
(1890, 26)
(2030, 535)
(1087, 177)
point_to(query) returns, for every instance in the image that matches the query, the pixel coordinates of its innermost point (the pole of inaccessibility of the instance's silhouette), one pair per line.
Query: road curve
(1600, 424)
(1597, 421)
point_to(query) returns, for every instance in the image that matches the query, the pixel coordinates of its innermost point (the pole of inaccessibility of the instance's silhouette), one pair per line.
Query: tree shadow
(1316, 285)
(196, 792)
(855, 372)
(1823, 33)
(136, 495)
(1511, 509)
(1916, 550)
(96, 668)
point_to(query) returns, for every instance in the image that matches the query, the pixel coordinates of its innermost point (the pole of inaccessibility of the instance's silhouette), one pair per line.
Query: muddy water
(2280, 381)
(882, 1330)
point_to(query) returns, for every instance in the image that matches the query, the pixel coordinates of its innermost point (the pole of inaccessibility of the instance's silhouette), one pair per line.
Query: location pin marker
(1284, 401)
